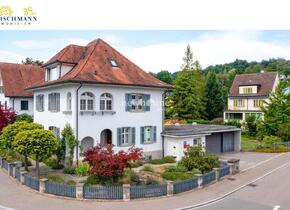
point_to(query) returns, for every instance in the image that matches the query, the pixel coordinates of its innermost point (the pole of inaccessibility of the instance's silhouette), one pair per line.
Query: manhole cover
(231, 179)
(252, 185)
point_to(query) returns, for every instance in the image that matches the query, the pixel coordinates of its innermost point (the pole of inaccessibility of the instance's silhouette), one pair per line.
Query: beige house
(248, 94)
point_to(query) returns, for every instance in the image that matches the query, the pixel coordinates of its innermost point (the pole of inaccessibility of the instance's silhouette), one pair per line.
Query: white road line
(5, 208)
(276, 207)
(207, 203)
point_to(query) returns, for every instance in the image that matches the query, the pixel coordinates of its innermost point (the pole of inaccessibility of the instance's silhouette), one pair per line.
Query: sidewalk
(15, 196)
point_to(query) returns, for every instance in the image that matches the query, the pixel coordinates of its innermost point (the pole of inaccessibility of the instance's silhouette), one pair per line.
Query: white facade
(15, 102)
(176, 145)
(90, 124)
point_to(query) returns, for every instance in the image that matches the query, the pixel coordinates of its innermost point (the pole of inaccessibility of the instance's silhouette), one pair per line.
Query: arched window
(87, 143)
(106, 102)
(68, 101)
(87, 101)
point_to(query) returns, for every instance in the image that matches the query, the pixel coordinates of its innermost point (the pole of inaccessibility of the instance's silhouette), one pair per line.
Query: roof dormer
(57, 70)
(248, 89)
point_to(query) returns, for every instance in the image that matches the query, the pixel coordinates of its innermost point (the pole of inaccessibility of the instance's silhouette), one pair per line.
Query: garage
(214, 139)
(213, 143)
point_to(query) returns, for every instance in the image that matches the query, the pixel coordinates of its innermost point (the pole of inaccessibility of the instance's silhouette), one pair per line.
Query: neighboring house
(214, 139)
(14, 78)
(106, 99)
(248, 93)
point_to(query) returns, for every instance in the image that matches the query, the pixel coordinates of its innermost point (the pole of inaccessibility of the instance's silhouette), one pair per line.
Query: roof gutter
(77, 121)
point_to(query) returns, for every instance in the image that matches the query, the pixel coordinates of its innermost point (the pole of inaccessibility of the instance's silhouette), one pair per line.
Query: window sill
(67, 112)
(106, 112)
(125, 145)
(87, 112)
(145, 143)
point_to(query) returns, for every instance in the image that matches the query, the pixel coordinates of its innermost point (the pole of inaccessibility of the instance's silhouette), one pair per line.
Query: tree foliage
(277, 113)
(104, 161)
(188, 99)
(164, 76)
(7, 116)
(214, 96)
(38, 144)
(69, 139)
(195, 158)
(31, 61)
(24, 117)
(251, 125)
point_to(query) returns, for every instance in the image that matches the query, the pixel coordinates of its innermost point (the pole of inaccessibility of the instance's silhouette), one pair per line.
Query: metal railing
(146, 191)
(208, 177)
(60, 189)
(182, 186)
(224, 171)
(31, 182)
(103, 192)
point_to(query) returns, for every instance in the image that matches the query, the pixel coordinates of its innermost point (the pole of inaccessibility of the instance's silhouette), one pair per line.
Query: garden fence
(10, 170)
(31, 182)
(209, 177)
(182, 186)
(224, 171)
(17, 173)
(5, 164)
(103, 192)
(146, 191)
(60, 189)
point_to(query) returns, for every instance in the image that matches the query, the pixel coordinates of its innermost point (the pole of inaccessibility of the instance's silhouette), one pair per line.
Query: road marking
(276, 207)
(210, 202)
(5, 208)
(264, 161)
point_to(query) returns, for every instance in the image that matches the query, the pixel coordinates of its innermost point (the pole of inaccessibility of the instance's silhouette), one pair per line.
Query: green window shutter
(154, 134)
(119, 133)
(49, 101)
(133, 135)
(142, 134)
(147, 102)
(128, 98)
(57, 102)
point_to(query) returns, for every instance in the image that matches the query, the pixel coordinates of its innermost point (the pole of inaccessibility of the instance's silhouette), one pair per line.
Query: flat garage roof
(196, 129)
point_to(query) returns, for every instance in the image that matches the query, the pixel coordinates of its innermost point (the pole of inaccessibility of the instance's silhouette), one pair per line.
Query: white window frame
(53, 103)
(138, 103)
(106, 102)
(21, 105)
(125, 136)
(87, 101)
(39, 103)
(197, 141)
(69, 101)
(148, 138)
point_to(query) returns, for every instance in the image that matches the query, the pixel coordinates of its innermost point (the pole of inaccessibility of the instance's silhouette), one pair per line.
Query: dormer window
(247, 90)
(113, 63)
(52, 73)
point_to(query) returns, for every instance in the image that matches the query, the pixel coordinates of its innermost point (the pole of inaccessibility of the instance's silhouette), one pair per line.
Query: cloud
(7, 56)
(209, 48)
(110, 38)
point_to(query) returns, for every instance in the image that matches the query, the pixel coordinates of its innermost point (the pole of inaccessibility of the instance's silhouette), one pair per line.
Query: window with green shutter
(136, 102)
(148, 134)
(126, 136)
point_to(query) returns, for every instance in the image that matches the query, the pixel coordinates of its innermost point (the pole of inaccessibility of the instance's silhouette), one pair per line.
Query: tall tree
(188, 100)
(164, 76)
(32, 62)
(70, 140)
(214, 96)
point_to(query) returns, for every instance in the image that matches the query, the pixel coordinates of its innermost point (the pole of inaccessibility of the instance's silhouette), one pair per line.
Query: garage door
(213, 143)
(228, 142)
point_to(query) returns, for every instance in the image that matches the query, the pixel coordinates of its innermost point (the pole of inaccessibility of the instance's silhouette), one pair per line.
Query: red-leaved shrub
(7, 116)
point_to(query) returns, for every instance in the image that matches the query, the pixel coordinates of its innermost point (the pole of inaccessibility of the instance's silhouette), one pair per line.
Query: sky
(152, 50)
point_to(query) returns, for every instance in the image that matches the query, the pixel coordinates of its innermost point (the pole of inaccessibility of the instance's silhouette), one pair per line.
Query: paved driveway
(248, 159)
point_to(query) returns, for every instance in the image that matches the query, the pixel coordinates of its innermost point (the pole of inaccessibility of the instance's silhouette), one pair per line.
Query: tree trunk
(26, 162)
(37, 166)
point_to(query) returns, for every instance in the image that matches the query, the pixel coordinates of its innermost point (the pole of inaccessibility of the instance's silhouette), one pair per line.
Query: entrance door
(106, 137)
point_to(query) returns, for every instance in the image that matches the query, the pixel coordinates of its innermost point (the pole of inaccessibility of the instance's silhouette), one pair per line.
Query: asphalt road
(270, 193)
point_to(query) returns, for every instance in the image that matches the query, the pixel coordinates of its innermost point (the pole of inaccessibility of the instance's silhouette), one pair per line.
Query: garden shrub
(251, 125)
(55, 178)
(169, 159)
(174, 176)
(177, 168)
(268, 141)
(148, 167)
(53, 163)
(157, 161)
(195, 158)
(103, 180)
(151, 180)
(129, 176)
(69, 170)
(135, 164)
(24, 117)
(71, 182)
(92, 180)
(233, 123)
(278, 149)
(82, 169)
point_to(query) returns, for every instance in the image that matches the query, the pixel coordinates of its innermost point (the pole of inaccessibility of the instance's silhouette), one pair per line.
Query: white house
(14, 78)
(248, 93)
(104, 97)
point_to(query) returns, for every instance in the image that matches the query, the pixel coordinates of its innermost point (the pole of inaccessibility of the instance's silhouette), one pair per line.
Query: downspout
(77, 122)
(13, 103)
(163, 120)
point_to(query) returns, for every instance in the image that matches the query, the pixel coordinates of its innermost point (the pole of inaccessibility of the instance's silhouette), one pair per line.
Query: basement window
(113, 63)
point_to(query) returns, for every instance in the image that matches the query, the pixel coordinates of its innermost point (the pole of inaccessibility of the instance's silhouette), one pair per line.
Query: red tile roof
(265, 82)
(93, 66)
(17, 77)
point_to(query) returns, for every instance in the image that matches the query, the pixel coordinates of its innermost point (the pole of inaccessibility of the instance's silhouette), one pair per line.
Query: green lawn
(249, 143)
